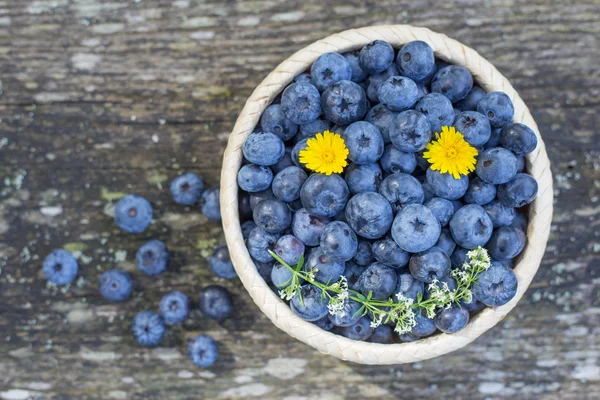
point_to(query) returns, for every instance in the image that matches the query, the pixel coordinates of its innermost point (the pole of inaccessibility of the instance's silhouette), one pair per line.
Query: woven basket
(540, 214)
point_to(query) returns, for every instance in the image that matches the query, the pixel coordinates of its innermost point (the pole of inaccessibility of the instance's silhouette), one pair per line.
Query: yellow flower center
(450, 153)
(325, 153)
(327, 157)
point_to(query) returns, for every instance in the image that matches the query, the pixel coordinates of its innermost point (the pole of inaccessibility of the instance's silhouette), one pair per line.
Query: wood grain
(101, 98)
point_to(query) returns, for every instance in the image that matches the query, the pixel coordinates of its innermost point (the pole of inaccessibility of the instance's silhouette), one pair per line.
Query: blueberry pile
(133, 214)
(389, 223)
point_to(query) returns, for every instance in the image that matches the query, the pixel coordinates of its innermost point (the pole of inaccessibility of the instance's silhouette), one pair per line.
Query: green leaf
(361, 309)
(300, 262)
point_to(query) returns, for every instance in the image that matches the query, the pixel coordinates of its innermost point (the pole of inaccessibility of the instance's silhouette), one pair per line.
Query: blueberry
(422, 91)
(520, 163)
(520, 221)
(254, 178)
(446, 280)
(471, 226)
(220, 263)
(446, 243)
(375, 81)
(245, 208)
(324, 323)
(301, 145)
(442, 209)
(409, 286)
(273, 216)
(257, 197)
(379, 279)
(60, 267)
(310, 129)
(174, 307)
(210, 205)
(309, 303)
(352, 273)
(459, 257)
(416, 60)
(474, 306)
(203, 351)
(496, 166)
(446, 186)
(360, 331)
(328, 270)
(401, 190)
(410, 131)
(301, 103)
(437, 109)
(428, 193)
(494, 140)
(364, 142)
(308, 227)
(344, 102)
(328, 69)
(506, 243)
(429, 265)
(363, 177)
(376, 57)
(386, 251)
(500, 214)
(475, 127)
(394, 160)
(383, 334)
(115, 285)
(479, 192)
(457, 205)
(358, 74)
(422, 163)
(215, 302)
(369, 214)
(424, 326)
(263, 148)
(408, 337)
(453, 81)
(324, 195)
(452, 320)
(519, 191)
(398, 93)
(383, 119)
(364, 255)
(287, 184)
(303, 78)
(289, 248)
(148, 328)
(469, 103)
(495, 286)
(133, 213)
(274, 120)
(518, 138)
(348, 315)
(152, 257)
(498, 107)
(187, 188)
(339, 241)
(415, 228)
(281, 276)
(259, 243)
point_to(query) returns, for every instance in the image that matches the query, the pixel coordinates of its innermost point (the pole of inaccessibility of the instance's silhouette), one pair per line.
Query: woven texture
(274, 308)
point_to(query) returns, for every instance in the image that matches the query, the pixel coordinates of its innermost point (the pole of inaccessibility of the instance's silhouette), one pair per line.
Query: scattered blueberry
(398, 93)
(309, 303)
(471, 226)
(453, 81)
(479, 192)
(415, 228)
(376, 57)
(203, 351)
(369, 214)
(519, 191)
(394, 160)
(518, 138)
(328, 270)
(386, 251)
(215, 302)
(498, 107)
(60, 267)
(328, 69)
(437, 109)
(446, 186)
(363, 177)
(273, 216)
(429, 265)
(379, 279)
(148, 328)
(474, 126)
(115, 285)
(210, 205)
(495, 286)
(260, 242)
(263, 148)
(496, 166)
(452, 320)
(301, 103)
(187, 188)
(410, 131)
(416, 60)
(344, 102)
(152, 257)
(324, 196)
(274, 120)
(364, 142)
(174, 307)
(254, 178)
(360, 331)
(506, 243)
(220, 263)
(133, 213)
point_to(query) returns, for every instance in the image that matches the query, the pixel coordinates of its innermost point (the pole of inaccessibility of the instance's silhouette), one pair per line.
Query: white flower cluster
(461, 276)
(336, 304)
(479, 260)
(443, 297)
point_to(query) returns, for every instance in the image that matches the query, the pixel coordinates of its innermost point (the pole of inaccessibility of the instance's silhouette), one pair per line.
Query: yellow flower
(450, 153)
(325, 153)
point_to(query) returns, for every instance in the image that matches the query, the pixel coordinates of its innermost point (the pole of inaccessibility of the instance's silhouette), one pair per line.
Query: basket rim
(540, 212)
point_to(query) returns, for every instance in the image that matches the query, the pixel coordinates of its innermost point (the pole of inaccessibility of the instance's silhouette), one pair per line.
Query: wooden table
(103, 98)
